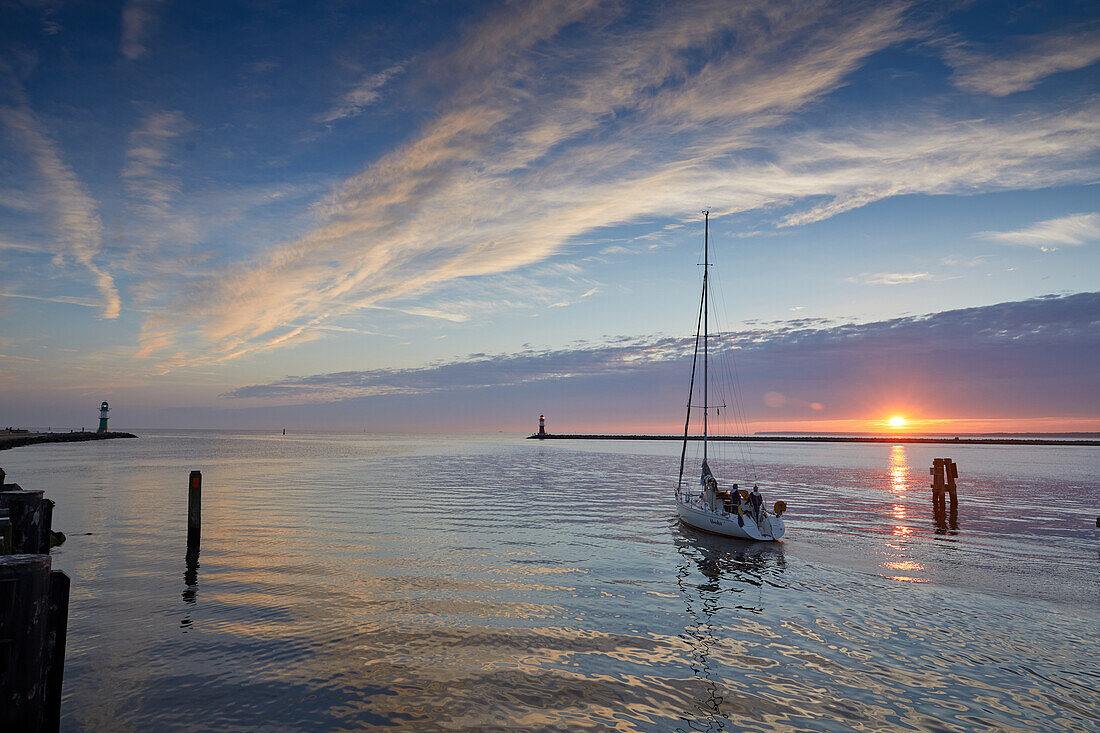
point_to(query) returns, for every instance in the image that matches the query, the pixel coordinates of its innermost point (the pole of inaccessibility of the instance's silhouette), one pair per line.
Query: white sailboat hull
(695, 514)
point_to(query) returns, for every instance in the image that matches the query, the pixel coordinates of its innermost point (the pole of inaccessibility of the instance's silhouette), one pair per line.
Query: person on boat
(710, 486)
(757, 500)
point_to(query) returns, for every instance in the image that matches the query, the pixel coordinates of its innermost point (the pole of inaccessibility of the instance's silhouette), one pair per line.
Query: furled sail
(706, 474)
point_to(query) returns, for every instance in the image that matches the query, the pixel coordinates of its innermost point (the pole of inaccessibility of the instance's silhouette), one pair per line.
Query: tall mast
(706, 311)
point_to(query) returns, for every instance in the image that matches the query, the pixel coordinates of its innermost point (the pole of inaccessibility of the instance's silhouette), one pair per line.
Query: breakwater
(890, 440)
(15, 439)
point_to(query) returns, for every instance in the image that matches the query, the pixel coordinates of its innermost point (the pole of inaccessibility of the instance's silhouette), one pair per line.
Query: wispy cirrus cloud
(148, 159)
(464, 198)
(552, 128)
(1033, 59)
(139, 20)
(74, 214)
(366, 92)
(68, 300)
(890, 278)
(1065, 231)
(153, 186)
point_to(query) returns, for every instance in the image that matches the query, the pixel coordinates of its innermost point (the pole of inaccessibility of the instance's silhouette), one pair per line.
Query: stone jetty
(16, 438)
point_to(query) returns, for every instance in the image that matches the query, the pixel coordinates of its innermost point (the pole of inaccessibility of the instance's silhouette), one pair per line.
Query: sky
(461, 215)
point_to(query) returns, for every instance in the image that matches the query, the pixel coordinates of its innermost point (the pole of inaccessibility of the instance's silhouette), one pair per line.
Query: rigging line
(736, 402)
(735, 398)
(740, 400)
(719, 356)
(691, 389)
(740, 414)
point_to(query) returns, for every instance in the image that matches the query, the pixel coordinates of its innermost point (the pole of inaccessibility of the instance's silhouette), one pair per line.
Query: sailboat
(729, 511)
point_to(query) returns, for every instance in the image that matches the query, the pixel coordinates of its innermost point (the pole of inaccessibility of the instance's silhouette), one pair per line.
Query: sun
(897, 421)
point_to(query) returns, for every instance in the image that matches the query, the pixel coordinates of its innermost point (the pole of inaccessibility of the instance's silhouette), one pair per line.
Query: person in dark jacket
(757, 500)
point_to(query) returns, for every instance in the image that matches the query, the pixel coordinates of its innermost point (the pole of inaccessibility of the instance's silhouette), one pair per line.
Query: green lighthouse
(103, 410)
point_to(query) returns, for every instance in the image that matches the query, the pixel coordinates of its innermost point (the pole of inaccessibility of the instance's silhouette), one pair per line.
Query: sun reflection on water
(899, 469)
(898, 478)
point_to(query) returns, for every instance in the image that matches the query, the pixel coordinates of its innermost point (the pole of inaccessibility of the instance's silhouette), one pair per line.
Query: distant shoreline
(17, 440)
(824, 439)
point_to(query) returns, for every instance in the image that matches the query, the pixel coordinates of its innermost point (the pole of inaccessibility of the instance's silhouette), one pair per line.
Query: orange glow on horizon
(947, 426)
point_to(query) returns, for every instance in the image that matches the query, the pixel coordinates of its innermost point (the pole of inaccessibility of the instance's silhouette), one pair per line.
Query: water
(350, 582)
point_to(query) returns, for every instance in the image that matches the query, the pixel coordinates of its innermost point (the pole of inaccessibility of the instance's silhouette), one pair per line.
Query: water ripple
(361, 582)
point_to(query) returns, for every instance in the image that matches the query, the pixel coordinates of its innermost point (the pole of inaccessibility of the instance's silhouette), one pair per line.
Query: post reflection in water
(946, 520)
(191, 583)
(731, 569)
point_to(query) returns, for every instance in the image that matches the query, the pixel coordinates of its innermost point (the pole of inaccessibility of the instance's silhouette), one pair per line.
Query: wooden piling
(24, 618)
(34, 614)
(944, 471)
(5, 532)
(31, 517)
(194, 509)
(56, 635)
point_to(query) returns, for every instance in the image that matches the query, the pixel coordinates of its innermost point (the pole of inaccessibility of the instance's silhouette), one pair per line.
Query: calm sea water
(350, 582)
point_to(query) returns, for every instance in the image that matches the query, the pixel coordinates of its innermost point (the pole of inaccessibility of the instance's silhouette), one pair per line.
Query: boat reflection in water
(734, 575)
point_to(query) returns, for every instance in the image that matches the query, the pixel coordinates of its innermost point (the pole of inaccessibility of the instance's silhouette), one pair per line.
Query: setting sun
(897, 422)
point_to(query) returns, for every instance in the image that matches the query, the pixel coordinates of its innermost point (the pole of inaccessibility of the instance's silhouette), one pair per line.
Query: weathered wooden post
(944, 472)
(34, 614)
(194, 510)
(30, 516)
(56, 635)
(24, 617)
(5, 532)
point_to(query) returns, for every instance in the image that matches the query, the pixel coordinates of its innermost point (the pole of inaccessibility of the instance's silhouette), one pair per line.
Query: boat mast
(691, 394)
(706, 312)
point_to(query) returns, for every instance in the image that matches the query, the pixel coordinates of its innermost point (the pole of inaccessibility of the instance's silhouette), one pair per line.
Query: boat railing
(696, 501)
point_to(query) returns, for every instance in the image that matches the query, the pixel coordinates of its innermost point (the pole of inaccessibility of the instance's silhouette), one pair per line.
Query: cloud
(68, 300)
(79, 230)
(890, 278)
(1036, 58)
(139, 20)
(152, 184)
(964, 261)
(560, 118)
(1016, 359)
(148, 159)
(1072, 231)
(365, 93)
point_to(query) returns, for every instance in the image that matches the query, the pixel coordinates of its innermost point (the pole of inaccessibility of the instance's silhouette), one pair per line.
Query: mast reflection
(731, 571)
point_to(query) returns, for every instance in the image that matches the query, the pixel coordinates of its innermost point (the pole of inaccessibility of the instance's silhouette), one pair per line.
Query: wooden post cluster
(34, 612)
(944, 471)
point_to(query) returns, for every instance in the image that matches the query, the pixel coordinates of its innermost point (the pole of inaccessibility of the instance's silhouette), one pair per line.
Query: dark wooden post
(45, 527)
(194, 509)
(944, 472)
(952, 473)
(24, 616)
(56, 634)
(5, 532)
(30, 517)
(939, 483)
